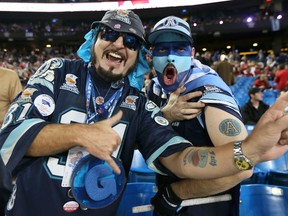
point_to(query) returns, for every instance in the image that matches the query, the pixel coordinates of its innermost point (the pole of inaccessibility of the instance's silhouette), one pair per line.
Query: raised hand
(101, 140)
(269, 137)
(179, 108)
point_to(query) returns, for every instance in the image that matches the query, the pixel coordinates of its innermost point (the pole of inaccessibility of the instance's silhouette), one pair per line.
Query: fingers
(194, 109)
(284, 134)
(191, 95)
(283, 142)
(189, 116)
(282, 123)
(115, 118)
(179, 90)
(113, 165)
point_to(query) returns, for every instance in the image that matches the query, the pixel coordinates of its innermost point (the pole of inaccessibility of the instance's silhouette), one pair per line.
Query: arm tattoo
(230, 127)
(199, 158)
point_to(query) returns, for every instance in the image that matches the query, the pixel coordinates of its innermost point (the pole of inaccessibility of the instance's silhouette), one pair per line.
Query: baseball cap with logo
(170, 24)
(123, 21)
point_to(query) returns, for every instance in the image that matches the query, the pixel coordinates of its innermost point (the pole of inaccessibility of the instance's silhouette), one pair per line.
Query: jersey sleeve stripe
(12, 140)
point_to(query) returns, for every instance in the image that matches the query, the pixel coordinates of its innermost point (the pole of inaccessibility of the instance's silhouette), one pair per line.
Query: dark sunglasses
(129, 40)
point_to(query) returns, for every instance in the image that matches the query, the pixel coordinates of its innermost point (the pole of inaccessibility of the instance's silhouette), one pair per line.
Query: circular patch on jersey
(45, 104)
(94, 183)
(70, 206)
(161, 120)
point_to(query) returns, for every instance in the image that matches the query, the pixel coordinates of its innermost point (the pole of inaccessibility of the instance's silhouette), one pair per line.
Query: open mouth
(169, 75)
(114, 57)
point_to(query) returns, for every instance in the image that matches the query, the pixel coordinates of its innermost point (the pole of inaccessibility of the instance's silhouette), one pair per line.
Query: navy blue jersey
(57, 94)
(217, 94)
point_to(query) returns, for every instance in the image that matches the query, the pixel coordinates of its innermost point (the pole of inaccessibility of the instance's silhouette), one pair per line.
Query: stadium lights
(279, 16)
(98, 6)
(249, 20)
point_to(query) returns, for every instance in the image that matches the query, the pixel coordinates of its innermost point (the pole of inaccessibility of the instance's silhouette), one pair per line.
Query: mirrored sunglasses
(129, 40)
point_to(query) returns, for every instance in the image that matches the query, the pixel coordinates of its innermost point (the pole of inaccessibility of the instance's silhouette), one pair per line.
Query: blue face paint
(179, 54)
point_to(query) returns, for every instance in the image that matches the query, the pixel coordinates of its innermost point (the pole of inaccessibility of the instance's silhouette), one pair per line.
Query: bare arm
(261, 145)
(222, 128)
(99, 139)
(194, 188)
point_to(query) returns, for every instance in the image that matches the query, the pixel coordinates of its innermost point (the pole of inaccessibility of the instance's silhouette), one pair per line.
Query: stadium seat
(263, 200)
(276, 177)
(275, 171)
(270, 96)
(280, 164)
(139, 171)
(137, 195)
(258, 177)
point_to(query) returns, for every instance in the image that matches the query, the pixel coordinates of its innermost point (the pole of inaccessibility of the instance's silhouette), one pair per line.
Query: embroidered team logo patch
(130, 102)
(26, 95)
(211, 89)
(70, 83)
(150, 106)
(161, 120)
(45, 104)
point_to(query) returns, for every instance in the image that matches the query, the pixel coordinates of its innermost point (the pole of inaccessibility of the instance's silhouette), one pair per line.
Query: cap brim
(154, 35)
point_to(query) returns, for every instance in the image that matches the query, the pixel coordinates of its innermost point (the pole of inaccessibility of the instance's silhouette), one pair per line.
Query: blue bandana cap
(84, 51)
(136, 78)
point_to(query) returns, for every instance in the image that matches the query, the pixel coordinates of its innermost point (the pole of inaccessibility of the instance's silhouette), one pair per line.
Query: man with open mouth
(218, 123)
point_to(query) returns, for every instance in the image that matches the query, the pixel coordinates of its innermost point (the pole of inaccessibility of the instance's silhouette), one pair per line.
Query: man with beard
(94, 105)
(217, 124)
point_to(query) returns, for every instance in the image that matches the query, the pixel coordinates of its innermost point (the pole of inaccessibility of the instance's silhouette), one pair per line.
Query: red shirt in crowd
(281, 78)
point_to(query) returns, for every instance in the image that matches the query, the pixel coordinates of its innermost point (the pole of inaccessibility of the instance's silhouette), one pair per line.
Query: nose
(170, 58)
(119, 42)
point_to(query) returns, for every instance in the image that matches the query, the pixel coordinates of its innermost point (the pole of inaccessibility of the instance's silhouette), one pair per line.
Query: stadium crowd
(25, 63)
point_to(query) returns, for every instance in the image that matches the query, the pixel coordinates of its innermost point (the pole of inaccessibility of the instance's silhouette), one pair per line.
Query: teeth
(115, 55)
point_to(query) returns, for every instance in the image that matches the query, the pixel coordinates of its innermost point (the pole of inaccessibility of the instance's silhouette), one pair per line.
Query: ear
(193, 52)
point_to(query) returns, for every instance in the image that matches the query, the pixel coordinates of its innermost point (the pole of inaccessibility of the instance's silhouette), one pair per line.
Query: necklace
(97, 106)
(99, 99)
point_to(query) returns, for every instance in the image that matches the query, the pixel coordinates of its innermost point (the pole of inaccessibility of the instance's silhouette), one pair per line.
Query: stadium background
(65, 30)
(266, 192)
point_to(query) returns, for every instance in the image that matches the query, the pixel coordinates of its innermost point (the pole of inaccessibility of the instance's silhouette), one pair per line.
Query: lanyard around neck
(102, 111)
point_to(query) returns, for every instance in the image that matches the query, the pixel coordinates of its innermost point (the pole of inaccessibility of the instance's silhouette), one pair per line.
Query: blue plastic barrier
(263, 200)
(139, 171)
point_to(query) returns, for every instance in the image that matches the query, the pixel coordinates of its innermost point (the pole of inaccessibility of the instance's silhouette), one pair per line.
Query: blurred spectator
(10, 87)
(206, 59)
(244, 66)
(224, 69)
(254, 108)
(281, 77)
(262, 82)
(261, 57)
(147, 79)
(237, 69)
(259, 67)
(269, 73)
(271, 60)
(215, 56)
(282, 58)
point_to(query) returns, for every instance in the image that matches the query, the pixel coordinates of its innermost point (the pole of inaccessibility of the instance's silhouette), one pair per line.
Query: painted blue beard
(181, 63)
